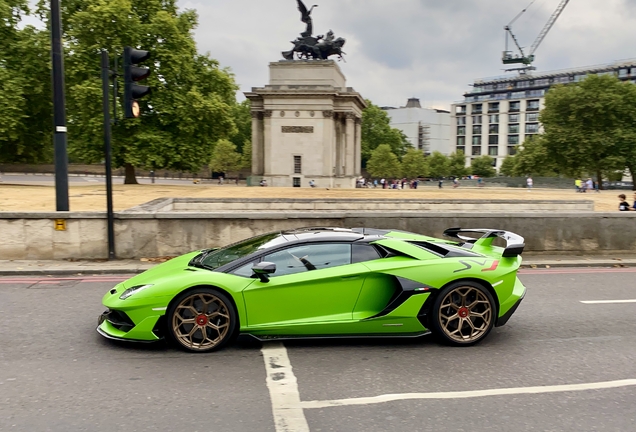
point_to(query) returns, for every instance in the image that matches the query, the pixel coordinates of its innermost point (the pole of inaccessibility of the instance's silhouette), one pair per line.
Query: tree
(383, 163)
(414, 164)
(508, 166)
(192, 99)
(242, 116)
(626, 136)
(225, 158)
(457, 164)
(535, 158)
(438, 165)
(482, 166)
(246, 155)
(25, 88)
(377, 130)
(585, 127)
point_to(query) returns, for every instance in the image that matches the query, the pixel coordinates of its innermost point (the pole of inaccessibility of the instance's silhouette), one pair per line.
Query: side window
(309, 257)
(364, 252)
(245, 271)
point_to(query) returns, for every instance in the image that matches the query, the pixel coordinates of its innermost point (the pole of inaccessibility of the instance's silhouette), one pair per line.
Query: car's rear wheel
(202, 320)
(463, 313)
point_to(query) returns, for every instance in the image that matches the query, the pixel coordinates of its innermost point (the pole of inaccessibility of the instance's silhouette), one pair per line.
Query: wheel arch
(425, 312)
(213, 287)
(482, 282)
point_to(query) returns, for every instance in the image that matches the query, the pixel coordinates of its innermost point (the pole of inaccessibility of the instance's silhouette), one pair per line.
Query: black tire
(210, 328)
(463, 314)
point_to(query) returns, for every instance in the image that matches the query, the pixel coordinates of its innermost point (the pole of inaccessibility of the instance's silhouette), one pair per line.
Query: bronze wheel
(464, 313)
(202, 320)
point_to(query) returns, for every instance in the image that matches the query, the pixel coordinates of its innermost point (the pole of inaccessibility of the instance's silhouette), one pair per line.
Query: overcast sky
(430, 49)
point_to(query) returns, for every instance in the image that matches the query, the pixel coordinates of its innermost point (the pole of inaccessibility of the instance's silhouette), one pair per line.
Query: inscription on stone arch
(297, 129)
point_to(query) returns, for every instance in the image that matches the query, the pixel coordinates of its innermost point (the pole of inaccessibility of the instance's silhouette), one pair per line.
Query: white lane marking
(283, 390)
(606, 301)
(468, 394)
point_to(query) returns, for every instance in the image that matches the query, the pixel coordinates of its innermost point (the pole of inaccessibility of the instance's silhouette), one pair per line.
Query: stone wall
(33, 235)
(215, 205)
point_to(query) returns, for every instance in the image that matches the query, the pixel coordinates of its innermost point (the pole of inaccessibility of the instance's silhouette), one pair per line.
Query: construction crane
(509, 58)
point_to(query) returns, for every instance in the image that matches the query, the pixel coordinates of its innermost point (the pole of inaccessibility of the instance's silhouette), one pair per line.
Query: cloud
(429, 49)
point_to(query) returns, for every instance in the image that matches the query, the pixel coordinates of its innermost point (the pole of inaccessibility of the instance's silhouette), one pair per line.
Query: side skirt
(266, 338)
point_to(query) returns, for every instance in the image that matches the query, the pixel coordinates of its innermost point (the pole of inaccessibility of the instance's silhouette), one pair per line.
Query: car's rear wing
(514, 242)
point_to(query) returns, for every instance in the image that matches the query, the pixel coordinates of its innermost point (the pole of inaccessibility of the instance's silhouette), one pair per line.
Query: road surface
(566, 361)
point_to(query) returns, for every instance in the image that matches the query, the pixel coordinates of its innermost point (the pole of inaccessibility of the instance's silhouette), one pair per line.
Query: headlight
(133, 290)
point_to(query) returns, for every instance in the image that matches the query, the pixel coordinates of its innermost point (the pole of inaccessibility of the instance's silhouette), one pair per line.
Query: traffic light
(132, 74)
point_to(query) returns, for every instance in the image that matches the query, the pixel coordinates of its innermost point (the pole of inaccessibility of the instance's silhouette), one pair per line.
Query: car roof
(337, 234)
(322, 234)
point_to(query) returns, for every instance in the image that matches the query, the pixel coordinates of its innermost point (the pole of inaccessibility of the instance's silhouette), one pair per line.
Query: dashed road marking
(607, 301)
(283, 390)
(468, 394)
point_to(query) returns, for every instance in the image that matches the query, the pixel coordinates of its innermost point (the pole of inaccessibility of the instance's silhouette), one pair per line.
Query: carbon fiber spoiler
(514, 242)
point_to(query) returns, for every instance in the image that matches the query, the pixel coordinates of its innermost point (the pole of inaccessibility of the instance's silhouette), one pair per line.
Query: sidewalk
(130, 267)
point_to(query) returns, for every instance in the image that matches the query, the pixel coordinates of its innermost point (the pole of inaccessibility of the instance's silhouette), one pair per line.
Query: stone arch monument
(306, 123)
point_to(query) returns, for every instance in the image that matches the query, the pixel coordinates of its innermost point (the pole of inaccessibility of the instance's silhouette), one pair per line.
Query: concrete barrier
(223, 205)
(153, 234)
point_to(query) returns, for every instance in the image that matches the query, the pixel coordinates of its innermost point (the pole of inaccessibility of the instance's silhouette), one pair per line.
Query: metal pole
(115, 91)
(59, 104)
(107, 155)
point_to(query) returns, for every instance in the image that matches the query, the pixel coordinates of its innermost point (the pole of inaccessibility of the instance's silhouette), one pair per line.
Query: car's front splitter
(115, 328)
(120, 339)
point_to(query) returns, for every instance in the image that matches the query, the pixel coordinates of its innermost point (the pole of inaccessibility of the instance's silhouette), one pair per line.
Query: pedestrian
(220, 180)
(375, 183)
(312, 183)
(623, 205)
(577, 185)
(383, 183)
(529, 183)
(480, 182)
(634, 207)
(455, 183)
(440, 183)
(590, 184)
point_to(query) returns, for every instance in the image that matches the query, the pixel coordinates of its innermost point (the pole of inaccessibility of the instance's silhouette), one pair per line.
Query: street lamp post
(59, 116)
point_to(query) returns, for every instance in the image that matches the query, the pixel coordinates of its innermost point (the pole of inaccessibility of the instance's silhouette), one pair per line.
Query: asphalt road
(57, 374)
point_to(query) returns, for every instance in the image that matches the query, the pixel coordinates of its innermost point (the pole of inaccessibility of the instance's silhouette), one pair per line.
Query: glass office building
(499, 113)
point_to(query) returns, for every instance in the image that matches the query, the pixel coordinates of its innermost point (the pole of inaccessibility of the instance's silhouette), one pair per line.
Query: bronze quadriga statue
(308, 47)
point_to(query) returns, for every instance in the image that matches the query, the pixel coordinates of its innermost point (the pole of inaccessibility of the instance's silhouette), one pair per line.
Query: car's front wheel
(463, 313)
(202, 320)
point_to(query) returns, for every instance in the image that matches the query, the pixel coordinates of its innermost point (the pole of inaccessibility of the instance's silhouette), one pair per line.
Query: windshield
(226, 255)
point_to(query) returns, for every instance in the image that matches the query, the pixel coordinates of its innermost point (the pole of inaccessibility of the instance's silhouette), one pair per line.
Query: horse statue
(308, 47)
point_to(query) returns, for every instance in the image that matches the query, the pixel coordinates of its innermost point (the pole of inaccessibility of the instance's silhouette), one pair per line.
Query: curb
(531, 266)
(72, 272)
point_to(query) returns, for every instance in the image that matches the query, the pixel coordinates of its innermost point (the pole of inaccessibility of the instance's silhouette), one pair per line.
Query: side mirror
(263, 270)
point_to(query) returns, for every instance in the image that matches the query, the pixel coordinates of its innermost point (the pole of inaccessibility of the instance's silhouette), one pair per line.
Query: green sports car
(324, 282)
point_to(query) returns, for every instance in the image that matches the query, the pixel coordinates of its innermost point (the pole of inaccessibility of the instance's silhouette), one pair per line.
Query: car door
(312, 283)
